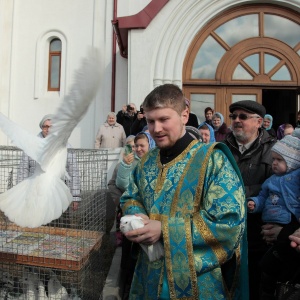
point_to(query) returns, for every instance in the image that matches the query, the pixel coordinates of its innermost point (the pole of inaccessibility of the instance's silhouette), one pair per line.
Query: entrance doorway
(281, 105)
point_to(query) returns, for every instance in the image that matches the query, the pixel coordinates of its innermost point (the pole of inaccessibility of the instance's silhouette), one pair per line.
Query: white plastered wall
(25, 30)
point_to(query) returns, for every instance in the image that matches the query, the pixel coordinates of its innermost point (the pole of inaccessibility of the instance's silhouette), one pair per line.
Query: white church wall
(24, 59)
(131, 7)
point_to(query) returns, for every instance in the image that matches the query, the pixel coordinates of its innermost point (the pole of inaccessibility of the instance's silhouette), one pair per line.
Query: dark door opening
(281, 105)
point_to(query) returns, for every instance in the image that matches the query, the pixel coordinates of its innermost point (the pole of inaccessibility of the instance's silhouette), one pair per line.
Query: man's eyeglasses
(46, 126)
(242, 116)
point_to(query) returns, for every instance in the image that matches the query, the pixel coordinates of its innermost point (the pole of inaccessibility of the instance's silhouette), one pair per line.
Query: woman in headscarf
(267, 125)
(220, 127)
(143, 142)
(111, 134)
(207, 133)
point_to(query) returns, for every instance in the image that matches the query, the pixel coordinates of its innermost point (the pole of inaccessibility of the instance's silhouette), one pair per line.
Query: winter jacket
(192, 121)
(138, 126)
(124, 173)
(126, 121)
(221, 132)
(110, 136)
(279, 198)
(255, 165)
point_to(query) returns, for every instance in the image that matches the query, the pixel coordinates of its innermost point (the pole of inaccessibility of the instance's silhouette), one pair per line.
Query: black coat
(255, 165)
(126, 121)
(138, 126)
(192, 121)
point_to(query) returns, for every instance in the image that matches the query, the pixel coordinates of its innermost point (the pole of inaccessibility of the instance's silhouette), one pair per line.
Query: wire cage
(60, 257)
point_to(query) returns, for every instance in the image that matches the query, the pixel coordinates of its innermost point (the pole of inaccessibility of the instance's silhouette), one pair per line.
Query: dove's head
(126, 222)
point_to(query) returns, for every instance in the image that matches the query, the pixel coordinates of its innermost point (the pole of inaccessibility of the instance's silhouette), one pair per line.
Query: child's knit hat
(289, 149)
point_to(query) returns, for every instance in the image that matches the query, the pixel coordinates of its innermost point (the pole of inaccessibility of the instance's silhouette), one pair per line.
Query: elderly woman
(267, 125)
(219, 126)
(111, 134)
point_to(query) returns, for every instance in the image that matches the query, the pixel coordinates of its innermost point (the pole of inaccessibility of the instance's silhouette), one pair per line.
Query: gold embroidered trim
(174, 205)
(164, 168)
(163, 220)
(167, 246)
(199, 189)
(179, 157)
(156, 217)
(131, 203)
(209, 238)
(189, 245)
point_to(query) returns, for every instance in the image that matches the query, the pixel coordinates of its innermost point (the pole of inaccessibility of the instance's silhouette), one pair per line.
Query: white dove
(43, 197)
(41, 291)
(55, 289)
(29, 281)
(131, 222)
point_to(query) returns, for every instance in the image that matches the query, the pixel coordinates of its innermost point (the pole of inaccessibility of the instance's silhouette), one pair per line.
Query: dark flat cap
(250, 106)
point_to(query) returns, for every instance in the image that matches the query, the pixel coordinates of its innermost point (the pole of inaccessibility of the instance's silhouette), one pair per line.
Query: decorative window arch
(251, 45)
(54, 69)
(240, 54)
(41, 82)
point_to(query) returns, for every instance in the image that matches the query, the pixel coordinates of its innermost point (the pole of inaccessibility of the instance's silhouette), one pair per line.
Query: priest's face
(166, 126)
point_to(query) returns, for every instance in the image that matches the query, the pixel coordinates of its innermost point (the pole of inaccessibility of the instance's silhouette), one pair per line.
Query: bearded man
(250, 146)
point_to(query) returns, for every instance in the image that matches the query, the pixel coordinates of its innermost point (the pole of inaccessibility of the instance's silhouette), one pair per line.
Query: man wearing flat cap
(251, 148)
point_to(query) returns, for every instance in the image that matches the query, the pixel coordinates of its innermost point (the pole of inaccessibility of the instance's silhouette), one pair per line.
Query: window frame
(51, 55)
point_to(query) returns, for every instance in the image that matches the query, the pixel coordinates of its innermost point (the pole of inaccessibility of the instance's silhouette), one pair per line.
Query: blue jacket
(279, 198)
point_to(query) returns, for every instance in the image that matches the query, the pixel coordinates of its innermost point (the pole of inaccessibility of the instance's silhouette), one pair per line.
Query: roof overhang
(138, 21)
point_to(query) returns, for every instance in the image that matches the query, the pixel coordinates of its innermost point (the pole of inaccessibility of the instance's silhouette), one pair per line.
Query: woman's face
(45, 127)
(266, 123)
(205, 135)
(141, 147)
(216, 122)
(208, 115)
(111, 120)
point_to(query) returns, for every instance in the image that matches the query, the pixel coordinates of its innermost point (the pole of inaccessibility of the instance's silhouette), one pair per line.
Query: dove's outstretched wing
(74, 106)
(43, 197)
(31, 144)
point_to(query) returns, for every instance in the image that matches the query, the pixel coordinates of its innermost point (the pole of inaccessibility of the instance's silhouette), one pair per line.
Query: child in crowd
(279, 203)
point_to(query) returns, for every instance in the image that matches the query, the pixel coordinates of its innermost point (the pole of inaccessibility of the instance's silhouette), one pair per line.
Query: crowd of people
(223, 200)
(227, 213)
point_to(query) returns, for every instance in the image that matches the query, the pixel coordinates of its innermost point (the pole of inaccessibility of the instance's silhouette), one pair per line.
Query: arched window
(242, 54)
(54, 69)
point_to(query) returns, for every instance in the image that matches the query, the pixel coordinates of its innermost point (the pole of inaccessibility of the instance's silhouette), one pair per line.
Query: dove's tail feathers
(155, 251)
(36, 201)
